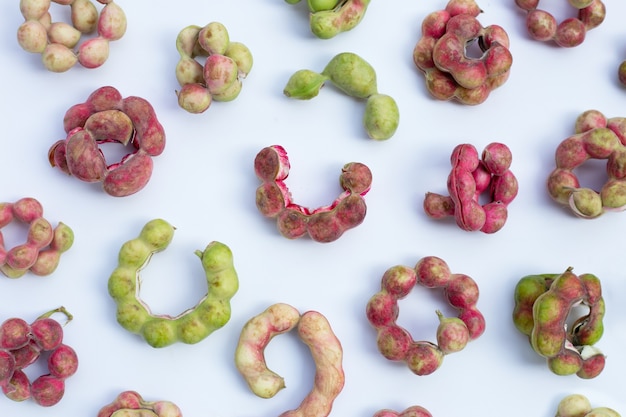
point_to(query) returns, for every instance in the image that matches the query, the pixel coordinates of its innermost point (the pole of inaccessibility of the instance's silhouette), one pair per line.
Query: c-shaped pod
(191, 326)
(324, 224)
(315, 331)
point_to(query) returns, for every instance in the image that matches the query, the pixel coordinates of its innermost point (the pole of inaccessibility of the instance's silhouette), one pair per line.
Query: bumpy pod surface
(323, 224)
(413, 411)
(595, 137)
(23, 344)
(357, 78)
(212, 312)
(328, 18)
(220, 77)
(542, 26)
(396, 343)
(542, 305)
(106, 117)
(132, 404)
(577, 405)
(441, 54)
(41, 252)
(470, 177)
(58, 42)
(315, 331)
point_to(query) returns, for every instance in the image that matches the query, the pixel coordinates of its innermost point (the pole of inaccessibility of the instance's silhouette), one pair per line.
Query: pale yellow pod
(32, 36)
(34, 9)
(63, 33)
(84, 16)
(58, 58)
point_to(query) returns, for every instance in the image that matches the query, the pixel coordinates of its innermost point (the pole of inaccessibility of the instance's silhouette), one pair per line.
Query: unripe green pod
(242, 56)
(567, 362)
(600, 142)
(326, 24)
(586, 203)
(122, 283)
(159, 332)
(318, 5)
(527, 290)
(231, 93)
(157, 234)
(304, 84)
(210, 313)
(191, 328)
(381, 117)
(132, 315)
(352, 74)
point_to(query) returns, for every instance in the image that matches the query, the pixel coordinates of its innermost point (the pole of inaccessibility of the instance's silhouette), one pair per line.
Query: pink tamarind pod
(149, 132)
(463, 7)
(105, 98)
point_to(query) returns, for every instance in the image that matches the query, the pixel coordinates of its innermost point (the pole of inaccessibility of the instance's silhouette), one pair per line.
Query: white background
(204, 184)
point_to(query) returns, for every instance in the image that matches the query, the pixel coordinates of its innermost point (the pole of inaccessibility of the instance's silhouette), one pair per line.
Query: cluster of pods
(58, 42)
(441, 54)
(595, 137)
(107, 117)
(543, 26)
(23, 344)
(41, 252)
(542, 306)
(471, 176)
(220, 78)
(577, 405)
(192, 325)
(453, 333)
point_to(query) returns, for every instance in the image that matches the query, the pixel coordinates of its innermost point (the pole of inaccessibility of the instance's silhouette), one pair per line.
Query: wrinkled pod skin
(107, 117)
(323, 224)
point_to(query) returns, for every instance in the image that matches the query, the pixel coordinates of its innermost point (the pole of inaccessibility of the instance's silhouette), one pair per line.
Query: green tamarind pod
(381, 117)
(326, 24)
(352, 74)
(304, 84)
(527, 290)
(319, 5)
(122, 283)
(191, 326)
(160, 332)
(132, 315)
(242, 56)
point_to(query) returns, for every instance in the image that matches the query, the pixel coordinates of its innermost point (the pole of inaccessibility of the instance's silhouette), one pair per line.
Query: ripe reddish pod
(14, 333)
(47, 390)
(63, 362)
(323, 224)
